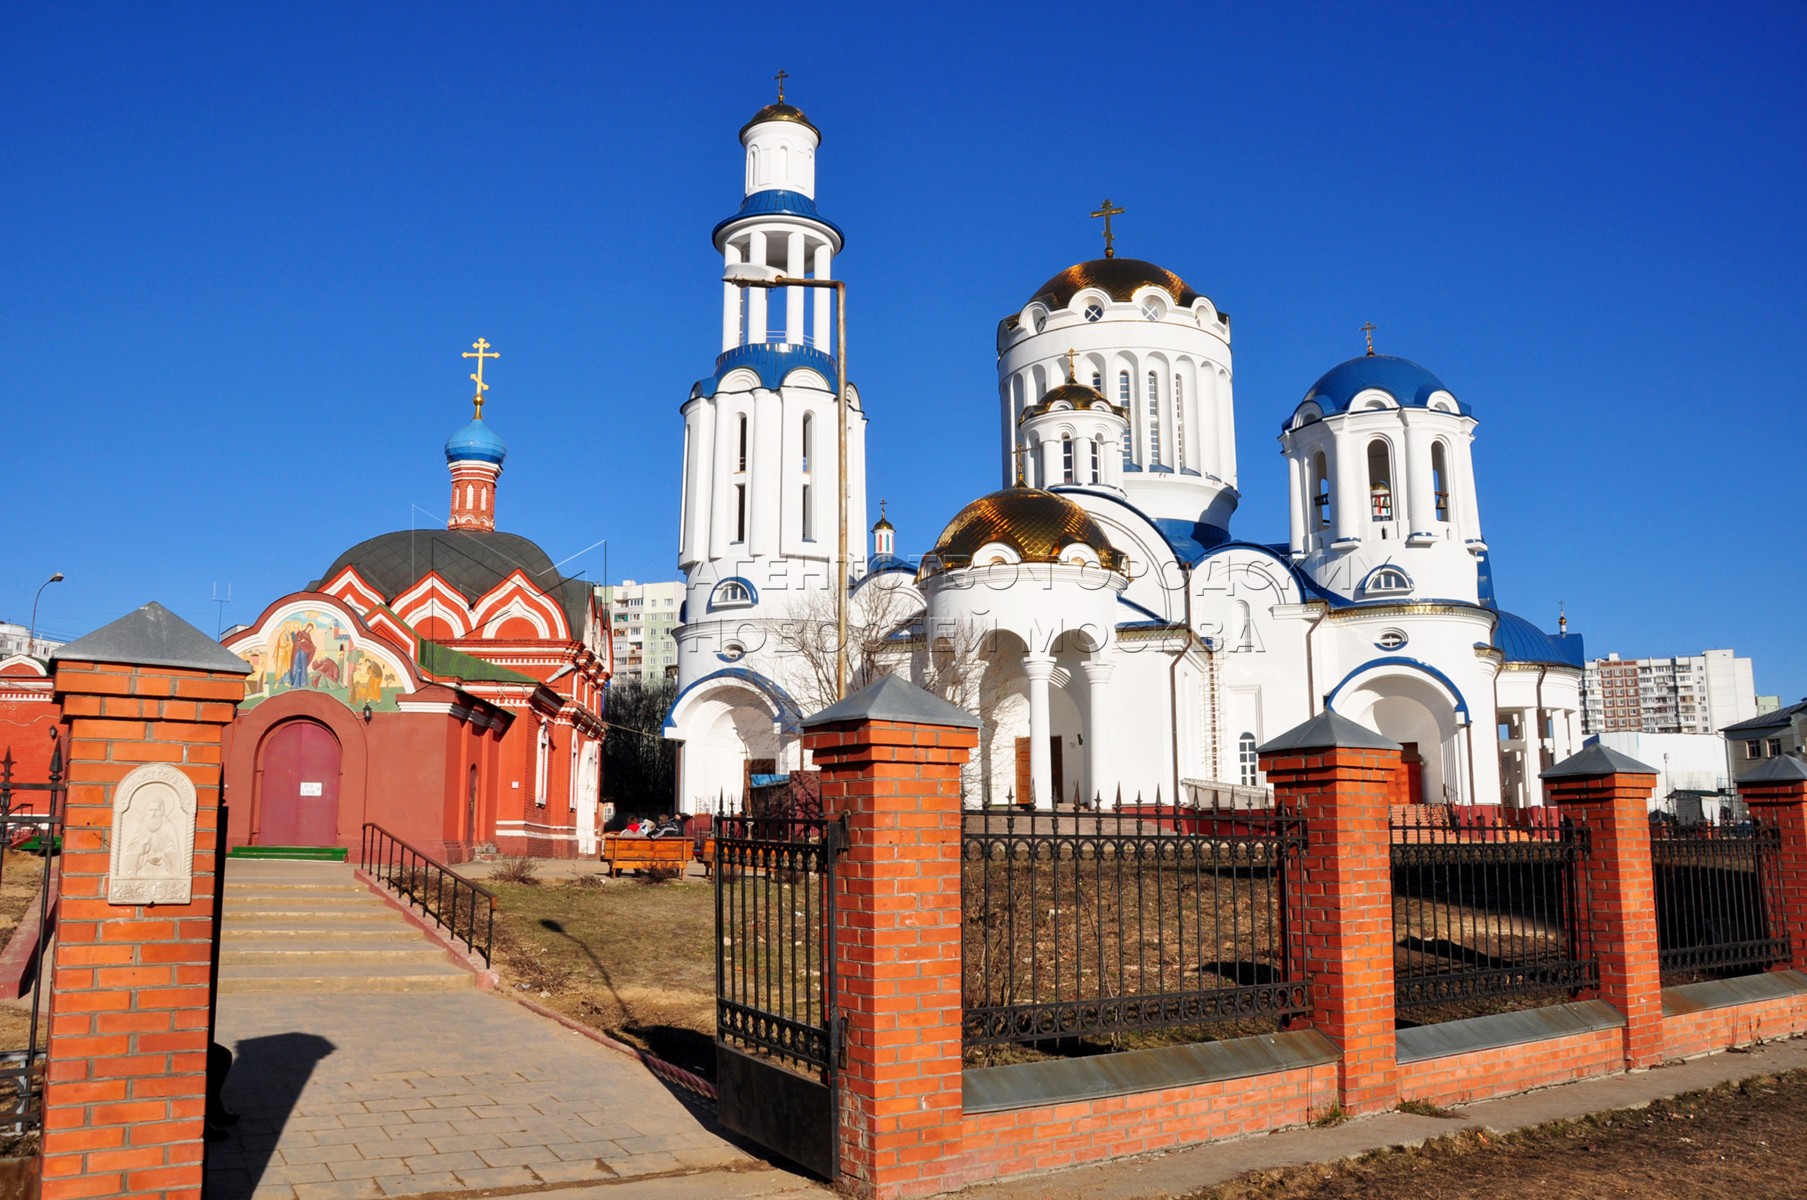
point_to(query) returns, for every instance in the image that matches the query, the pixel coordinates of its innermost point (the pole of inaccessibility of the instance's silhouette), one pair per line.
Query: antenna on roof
(222, 601)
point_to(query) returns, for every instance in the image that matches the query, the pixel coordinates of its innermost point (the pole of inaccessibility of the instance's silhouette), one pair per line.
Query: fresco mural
(315, 650)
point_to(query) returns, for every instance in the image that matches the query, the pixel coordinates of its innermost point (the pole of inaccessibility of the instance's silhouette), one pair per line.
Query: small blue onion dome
(1408, 383)
(476, 441)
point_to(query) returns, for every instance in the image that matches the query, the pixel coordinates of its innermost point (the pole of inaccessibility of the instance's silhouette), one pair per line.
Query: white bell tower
(757, 531)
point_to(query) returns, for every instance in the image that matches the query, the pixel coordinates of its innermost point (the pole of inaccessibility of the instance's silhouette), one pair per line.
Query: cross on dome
(1368, 332)
(1071, 377)
(781, 77)
(482, 351)
(1107, 212)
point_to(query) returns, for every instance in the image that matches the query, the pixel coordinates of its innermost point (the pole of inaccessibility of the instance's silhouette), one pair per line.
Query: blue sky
(246, 243)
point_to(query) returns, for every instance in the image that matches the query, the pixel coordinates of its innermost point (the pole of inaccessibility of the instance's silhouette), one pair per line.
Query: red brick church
(446, 684)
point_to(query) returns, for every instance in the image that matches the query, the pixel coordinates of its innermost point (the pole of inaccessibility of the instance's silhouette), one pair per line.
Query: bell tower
(475, 456)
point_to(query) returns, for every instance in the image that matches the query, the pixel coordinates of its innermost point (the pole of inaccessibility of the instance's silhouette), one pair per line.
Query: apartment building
(1699, 693)
(17, 639)
(641, 618)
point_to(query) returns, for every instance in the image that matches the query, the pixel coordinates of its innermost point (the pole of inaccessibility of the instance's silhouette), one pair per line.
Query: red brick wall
(1482, 1074)
(1740, 1025)
(129, 1003)
(1063, 1135)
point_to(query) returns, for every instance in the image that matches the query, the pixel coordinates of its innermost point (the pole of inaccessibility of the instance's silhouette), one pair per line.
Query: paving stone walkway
(349, 1097)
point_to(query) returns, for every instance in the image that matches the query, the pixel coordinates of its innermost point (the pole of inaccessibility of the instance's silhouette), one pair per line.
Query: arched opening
(297, 793)
(1320, 489)
(809, 439)
(741, 460)
(1066, 459)
(1248, 761)
(1179, 422)
(542, 767)
(1440, 480)
(472, 831)
(1097, 459)
(1154, 419)
(1380, 480)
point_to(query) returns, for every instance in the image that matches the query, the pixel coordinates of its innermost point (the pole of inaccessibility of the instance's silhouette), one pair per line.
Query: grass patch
(520, 869)
(1424, 1108)
(635, 962)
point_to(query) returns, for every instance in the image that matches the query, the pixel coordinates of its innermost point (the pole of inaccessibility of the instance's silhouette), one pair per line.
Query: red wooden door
(298, 790)
(1413, 773)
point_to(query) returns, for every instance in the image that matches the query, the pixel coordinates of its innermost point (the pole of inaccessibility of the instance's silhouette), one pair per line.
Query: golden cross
(1071, 377)
(1107, 212)
(781, 77)
(1020, 453)
(479, 350)
(1368, 332)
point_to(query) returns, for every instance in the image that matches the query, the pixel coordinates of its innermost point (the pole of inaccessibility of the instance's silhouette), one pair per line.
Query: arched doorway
(298, 786)
(589, 791)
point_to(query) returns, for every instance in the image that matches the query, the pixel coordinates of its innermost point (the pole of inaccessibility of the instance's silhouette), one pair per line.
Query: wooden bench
(625, 852)
(704, 853)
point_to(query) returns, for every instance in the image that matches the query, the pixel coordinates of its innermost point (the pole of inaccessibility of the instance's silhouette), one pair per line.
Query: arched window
(1248, 761)
(742, 460)
(1386, 581)
(1098, 383)
(1097, 458)
(1320, 490)
(753, 168)
(1154, 419)
(543, 767)
(784, 163)
(1380, 480)
(1179, 422)
(740, 512)
(809, 516)
(1440, 480)
(1066, 459)
(1123, 388)
(809, 440)
(730, 593)
(1242, 625)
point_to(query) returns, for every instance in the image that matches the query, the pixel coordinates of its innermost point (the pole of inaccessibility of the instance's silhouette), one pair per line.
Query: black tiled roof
(1781, 718)
(472, 562)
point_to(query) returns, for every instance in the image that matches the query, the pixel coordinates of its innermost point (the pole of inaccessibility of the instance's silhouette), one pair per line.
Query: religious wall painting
(314, 649)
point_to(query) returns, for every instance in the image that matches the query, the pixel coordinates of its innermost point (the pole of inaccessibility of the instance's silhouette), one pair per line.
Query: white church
(1098, 613)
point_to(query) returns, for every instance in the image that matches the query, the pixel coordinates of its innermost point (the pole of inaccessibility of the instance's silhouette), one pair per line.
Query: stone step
(395, 950)
(287, 914)
(284, 887)
(343, 977)
(310, 928)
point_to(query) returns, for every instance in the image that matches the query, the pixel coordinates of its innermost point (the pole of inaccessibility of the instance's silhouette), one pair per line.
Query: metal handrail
(422, 880)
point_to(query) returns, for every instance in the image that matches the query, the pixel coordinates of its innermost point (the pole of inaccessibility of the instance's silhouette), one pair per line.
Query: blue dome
(1522, 642)
(477, 441)
(776, 202)
(1407, 382)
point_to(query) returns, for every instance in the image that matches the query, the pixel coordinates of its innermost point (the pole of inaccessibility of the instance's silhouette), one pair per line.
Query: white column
(793, 297)
(823, 318)
(1097, 735)
(730, 301)
(1226, 426)
(1050, 463)
(1415, 480)
(1111, 459)
(756, 297)
(1532, 722)
(1351, 487)
(721, 482)
(1296, 480)
(1463, 463)
(1039, 668)
(765, 477)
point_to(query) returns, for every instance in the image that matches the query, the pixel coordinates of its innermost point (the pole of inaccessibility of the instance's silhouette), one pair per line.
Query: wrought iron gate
(31, 824)
(778, 1038)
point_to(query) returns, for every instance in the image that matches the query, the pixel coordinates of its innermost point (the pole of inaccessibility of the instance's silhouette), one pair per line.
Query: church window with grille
(1093, 312)
(1097, 458)
(1247, 760)
(1154, 419)
(1066, 460)
(742, 460)
(740, 512)
(1179, 422)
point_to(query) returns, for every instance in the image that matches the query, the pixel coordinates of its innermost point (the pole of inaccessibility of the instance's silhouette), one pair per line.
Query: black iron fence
(465, 910)
(774, 910)
(1486, 918)
(1719, 900)
(1119, 929)
(31, 829)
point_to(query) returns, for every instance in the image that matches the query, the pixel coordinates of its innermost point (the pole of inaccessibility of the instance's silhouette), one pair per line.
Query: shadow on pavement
(268, 1076)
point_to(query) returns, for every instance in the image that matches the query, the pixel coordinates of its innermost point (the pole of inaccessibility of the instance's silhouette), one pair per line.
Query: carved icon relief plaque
(153, 838)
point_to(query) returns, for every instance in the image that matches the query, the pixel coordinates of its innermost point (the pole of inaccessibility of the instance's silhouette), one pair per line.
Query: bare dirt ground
(1745, 1141)
(631, 958)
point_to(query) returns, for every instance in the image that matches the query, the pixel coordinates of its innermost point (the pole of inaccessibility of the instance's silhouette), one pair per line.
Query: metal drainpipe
(1311, 690)
(1173, 685)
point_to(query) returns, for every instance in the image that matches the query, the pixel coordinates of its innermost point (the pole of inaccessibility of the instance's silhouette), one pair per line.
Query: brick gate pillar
(145, 701)
(1609, 793)
(1339, 775)
(890, 759)
(1776, 794)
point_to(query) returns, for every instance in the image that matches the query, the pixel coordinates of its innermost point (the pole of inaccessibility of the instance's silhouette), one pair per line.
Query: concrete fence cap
(153, 636)
(1329, 731)
(891, 698)
(1596, 760)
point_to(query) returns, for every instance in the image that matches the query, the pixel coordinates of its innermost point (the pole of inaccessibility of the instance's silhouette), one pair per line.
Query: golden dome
(1118, 278)
(1076, 394)
(779, 112)
(1040, 526)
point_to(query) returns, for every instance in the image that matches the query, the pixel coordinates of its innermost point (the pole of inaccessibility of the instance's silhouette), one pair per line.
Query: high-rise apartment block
(1699, 693)
(641, 619)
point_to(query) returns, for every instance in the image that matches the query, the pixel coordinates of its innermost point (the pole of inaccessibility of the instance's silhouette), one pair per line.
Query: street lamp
(761, 276)
(31, 635)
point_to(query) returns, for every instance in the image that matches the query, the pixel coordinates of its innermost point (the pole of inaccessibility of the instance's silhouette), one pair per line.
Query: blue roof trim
(1400, 661)
(1523, 642)
(1190, 540)
(1401, 378)
(771, 361)
(888, 562)
(788, 712)
(1131, 604)
(776, 202)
